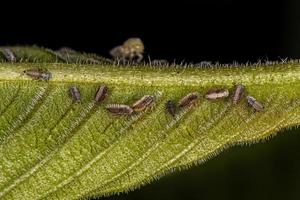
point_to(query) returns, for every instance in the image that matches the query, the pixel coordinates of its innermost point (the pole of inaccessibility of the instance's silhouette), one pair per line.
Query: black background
(212, 30)
(218, 31)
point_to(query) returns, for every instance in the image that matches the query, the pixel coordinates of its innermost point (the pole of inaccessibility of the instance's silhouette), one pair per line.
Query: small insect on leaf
(101, 93)
(254, 103)
(75, 93)
(159, 62)
(171, 108)
(218, 93)
(188, 100)
(204, 63)
(66, 50)
(143, 103)
(119, 109)
(38, 74)
(9, 54)
(238, 93)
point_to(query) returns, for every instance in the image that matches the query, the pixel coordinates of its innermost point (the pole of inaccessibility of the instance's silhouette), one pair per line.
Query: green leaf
(54, 148)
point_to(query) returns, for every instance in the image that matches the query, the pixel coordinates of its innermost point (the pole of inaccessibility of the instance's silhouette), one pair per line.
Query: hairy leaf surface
(54, 148)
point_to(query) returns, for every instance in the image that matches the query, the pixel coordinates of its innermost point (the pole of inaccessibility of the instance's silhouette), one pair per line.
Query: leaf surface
(54, 148)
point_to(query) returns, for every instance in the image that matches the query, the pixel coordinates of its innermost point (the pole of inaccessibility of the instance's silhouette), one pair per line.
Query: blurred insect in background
(131, 49)
(69, 55)
(204, 63)
(159, 62)
(9, 54)
(38, 74)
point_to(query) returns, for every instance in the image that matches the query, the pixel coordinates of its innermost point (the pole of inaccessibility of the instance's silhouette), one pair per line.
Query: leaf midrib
(157, 77)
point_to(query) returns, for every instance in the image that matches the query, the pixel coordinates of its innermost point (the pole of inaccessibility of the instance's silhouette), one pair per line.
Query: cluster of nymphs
(214, 94)
(120, 109)
(186, 101)
(147, 100)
